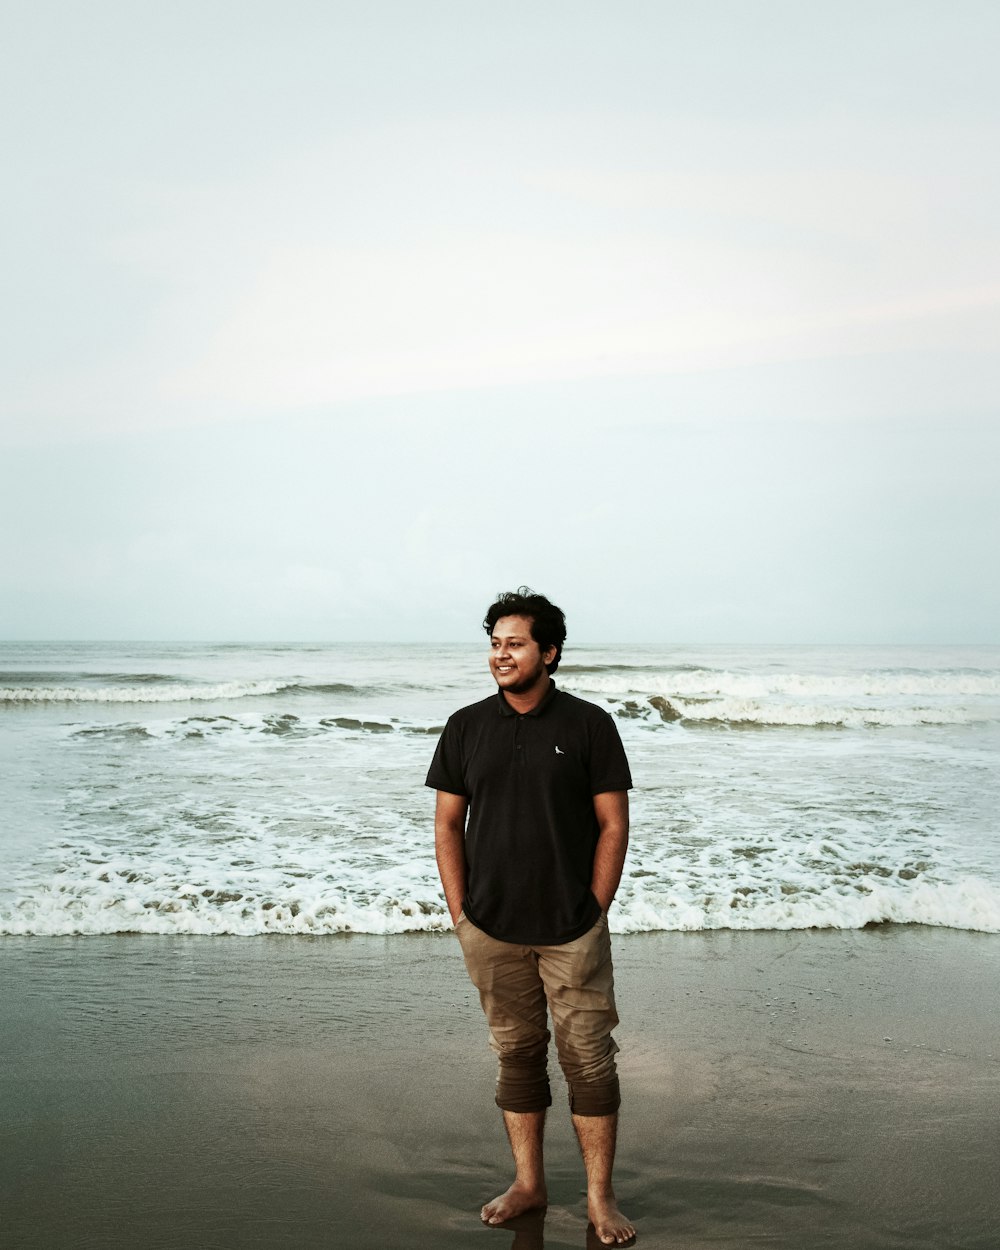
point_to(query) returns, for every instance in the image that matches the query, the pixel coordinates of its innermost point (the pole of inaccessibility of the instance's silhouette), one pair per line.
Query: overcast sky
(329, 320)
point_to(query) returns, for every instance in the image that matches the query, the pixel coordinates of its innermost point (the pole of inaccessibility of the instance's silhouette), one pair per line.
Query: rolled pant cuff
(523, 1104)
(523, 1086)
(604, 1099)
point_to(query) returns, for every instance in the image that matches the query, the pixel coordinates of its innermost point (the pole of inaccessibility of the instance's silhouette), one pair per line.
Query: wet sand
(781, 1089)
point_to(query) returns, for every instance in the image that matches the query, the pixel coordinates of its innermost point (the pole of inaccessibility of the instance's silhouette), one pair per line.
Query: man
(531, 829)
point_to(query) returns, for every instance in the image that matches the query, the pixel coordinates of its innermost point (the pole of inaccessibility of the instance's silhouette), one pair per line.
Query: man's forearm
(449, 846)
(609, 860)
(449, 850)
(612, 843)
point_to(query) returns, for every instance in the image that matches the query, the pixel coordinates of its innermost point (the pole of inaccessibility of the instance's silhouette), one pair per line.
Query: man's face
(516, 660)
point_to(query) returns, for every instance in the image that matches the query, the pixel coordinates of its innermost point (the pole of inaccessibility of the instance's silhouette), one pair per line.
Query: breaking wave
(159, 693)
(155, 688)
(148, 900)
(702, 682)
(737, 713)
(701, 696)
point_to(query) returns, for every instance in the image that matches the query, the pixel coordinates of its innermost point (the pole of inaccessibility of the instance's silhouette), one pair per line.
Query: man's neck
(529, 699)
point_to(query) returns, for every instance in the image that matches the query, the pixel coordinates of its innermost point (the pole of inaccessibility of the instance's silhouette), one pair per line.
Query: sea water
(269, 789)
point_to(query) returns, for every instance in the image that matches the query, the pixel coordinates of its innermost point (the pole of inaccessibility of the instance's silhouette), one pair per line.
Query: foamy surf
(65, 908)
(709, 697)
(253, 791)
(703, 682)
(738, 712)
(141, 693)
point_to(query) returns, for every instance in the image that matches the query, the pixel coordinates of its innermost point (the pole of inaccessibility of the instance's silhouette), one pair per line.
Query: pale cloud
(327, 325)
(452, 255)
(865, 202)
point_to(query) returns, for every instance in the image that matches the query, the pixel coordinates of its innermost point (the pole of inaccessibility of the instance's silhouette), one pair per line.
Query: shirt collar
(506, 709)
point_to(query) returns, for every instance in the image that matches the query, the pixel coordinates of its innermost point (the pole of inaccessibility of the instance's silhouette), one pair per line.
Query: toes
(617, 1236)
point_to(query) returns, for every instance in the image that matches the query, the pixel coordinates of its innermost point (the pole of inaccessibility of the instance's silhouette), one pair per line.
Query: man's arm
(611, 809)
(449, 847)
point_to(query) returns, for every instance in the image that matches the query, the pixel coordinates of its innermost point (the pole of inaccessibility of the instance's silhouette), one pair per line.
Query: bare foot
(514, 1201)
(612, 1228)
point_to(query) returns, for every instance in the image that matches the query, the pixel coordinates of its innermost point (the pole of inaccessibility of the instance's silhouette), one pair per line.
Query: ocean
(278, 789)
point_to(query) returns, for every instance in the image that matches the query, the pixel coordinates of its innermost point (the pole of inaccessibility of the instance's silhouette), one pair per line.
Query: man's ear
(548, 655)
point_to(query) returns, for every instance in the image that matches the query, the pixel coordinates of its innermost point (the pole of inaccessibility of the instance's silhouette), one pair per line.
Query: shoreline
(796, 1088)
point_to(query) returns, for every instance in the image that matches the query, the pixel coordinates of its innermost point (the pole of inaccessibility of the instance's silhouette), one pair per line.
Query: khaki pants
(576, 981)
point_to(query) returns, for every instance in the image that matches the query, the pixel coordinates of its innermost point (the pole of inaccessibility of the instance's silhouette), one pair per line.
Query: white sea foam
(965, 904)
(305, 812)
(737, 711)
(166, 693)
(385, 882)
(211, 727)
(710, 682)
(251, 890)
(154, 906)
(851, 700)
(190, 910)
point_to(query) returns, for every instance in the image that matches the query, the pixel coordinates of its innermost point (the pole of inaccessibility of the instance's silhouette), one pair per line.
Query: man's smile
(516, 659)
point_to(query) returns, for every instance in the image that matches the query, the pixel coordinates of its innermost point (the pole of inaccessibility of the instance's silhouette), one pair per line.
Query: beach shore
(787, 1089)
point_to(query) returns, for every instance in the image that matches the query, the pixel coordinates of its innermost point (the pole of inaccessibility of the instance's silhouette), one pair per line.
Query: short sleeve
(609, 768)
(446, 771)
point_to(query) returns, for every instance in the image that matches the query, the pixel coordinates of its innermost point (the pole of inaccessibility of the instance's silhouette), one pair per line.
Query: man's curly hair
(548, 623)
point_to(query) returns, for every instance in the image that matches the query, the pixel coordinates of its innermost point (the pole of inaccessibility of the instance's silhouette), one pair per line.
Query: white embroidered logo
(558, 752)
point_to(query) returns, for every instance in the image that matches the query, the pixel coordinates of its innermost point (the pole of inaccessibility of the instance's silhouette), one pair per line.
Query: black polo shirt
(530, 780)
